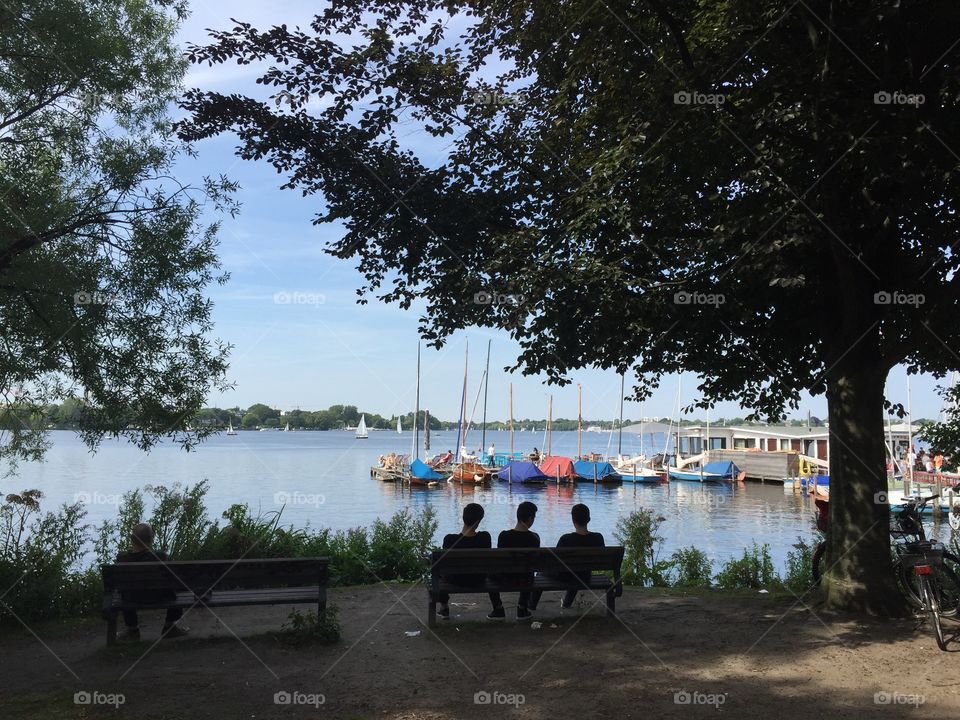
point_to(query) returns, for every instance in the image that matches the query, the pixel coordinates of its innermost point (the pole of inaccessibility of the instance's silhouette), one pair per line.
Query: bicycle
(910, 549)
(925, 558)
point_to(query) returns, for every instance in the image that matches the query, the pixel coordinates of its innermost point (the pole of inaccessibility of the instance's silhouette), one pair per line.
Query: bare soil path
(666, 654)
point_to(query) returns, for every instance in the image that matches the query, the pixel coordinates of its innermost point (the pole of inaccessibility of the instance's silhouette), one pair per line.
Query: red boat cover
(554, 465)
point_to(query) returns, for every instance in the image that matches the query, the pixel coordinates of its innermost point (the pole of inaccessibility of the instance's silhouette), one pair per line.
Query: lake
(323, 478)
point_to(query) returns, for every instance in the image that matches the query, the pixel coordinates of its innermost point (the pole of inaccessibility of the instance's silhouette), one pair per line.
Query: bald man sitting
(141, 550)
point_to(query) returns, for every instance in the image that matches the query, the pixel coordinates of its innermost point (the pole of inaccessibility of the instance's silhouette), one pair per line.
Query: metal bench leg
(112, 628)
(432, 612)
(611, 604)
(322, 604)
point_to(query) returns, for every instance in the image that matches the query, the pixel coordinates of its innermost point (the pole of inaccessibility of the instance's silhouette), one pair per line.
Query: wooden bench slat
(525, 569)
(221, 583)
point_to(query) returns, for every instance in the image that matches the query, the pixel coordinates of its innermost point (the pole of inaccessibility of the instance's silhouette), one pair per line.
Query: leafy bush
(301, 629)
(690, 567)
(40, 560)
(638, 532)
(799, 577)
(753, 570)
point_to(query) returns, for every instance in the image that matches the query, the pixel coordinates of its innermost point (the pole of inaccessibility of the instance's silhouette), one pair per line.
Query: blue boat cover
(823, 479)
(419, 469)
(724, 468)
(521, 471)
(588, 469)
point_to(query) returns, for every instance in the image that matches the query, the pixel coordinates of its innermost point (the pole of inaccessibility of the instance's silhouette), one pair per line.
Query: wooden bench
(499, 563)
(212, 583)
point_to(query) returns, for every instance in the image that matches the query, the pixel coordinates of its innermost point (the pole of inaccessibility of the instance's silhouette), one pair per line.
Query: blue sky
(321, 348)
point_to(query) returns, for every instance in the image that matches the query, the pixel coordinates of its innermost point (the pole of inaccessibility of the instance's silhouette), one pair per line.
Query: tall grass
(45, 559)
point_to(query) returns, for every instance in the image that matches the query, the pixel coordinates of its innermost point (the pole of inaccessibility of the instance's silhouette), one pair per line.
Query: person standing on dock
(938, 462)
(519, 537)
(491, 452)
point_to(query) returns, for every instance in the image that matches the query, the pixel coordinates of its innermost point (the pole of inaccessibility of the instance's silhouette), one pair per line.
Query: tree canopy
(761, 193)
(104, 260)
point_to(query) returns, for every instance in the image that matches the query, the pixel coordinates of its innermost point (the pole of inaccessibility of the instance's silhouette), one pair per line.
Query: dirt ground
(666, 654)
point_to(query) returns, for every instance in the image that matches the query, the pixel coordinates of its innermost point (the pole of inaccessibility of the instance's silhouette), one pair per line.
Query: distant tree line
(70, 414)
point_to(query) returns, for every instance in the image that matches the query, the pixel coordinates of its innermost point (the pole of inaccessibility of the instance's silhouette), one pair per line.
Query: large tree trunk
(860, 576)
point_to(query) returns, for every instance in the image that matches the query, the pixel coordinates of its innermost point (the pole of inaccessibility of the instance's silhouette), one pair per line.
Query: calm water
(324, 477)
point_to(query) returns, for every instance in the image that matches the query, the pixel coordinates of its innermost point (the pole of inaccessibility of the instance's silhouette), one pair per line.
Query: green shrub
(638, 532)
(690, 567)
(753, 570)
(303, 629)
(40, 558)
(799, 577)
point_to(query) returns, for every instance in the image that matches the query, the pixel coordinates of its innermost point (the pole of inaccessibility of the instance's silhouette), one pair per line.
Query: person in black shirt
(141, 539)
(581, 537)
(466, 538)
(519, 537)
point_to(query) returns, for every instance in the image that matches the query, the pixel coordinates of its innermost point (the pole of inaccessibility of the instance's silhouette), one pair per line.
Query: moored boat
(636, 470)
(558, 468)
(469, 472)
(521, 471)
(596, 472)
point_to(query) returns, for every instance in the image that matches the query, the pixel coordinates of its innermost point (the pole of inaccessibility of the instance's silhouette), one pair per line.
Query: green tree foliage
(104, 261)
(759, 191)
(944, 436)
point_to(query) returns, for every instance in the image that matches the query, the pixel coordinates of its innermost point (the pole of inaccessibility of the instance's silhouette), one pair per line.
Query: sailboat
(230, 430)
(399, 426)
(287, 427)
(362, 428)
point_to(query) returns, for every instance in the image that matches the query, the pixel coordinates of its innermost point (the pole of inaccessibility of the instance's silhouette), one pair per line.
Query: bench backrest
(510, 560)
(201, 576)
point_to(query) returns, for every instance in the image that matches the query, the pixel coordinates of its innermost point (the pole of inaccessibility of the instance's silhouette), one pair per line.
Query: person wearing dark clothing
(581, 537)
(519, 537)
(141, 539)
(468, 537)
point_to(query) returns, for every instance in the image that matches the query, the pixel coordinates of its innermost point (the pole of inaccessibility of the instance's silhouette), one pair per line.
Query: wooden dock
(762, 466)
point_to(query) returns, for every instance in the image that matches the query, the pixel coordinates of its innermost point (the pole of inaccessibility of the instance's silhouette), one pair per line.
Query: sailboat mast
(909, 435)
(486, 384)
(550, 426)
(579, 417)
(463, 400)
(510, 395)
(620, 424)
(416, 412)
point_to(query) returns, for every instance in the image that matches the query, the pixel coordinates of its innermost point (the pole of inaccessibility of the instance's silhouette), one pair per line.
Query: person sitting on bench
(468, 537)
(141, 539)
(519, 537)
(581, 537)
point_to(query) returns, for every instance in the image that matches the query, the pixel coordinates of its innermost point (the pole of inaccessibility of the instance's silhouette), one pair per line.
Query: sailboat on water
(362, 428)
(399, 426)
(230, 430)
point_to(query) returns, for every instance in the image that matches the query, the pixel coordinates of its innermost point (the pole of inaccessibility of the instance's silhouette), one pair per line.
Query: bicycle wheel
(817, 560)
(932, 606)
(944, 578)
